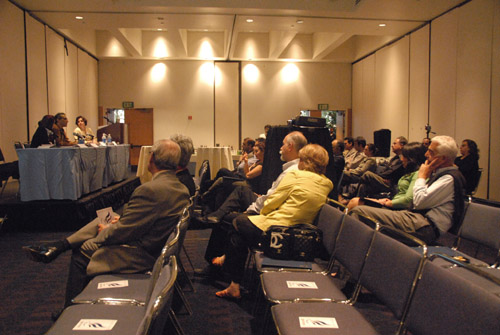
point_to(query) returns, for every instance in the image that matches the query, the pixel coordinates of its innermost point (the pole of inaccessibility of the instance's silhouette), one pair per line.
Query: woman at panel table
(412, 156)
(298, 198)
(44, 133)
(468, 164)
(82, 131)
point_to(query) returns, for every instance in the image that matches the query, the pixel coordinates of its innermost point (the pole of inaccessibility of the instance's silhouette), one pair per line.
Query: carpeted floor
(30, 292)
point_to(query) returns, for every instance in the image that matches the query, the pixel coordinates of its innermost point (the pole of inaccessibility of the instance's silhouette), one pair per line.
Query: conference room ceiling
(282, 30)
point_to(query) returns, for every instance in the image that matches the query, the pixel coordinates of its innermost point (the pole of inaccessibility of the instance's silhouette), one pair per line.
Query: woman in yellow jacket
(298, 199)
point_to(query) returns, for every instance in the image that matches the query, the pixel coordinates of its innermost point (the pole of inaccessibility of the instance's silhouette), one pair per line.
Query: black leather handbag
(301, 242)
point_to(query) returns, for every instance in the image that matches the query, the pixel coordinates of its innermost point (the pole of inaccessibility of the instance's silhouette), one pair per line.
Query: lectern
(118, 131)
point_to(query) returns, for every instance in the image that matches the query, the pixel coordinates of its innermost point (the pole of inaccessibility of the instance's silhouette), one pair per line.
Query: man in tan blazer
(130, 243)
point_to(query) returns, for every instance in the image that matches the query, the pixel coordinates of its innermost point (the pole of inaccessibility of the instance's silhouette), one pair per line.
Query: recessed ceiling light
(159, 29)
(249, 20)
(381, 24)
(79, 17)
(300, 21)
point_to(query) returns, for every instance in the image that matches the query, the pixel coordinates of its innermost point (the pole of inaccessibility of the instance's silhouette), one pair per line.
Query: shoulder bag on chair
(300, 242)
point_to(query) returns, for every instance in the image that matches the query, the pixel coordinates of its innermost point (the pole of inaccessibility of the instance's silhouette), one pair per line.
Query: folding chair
(123, 319)
(445, 303)
(390, 272)
(481, 225)
(487, 278)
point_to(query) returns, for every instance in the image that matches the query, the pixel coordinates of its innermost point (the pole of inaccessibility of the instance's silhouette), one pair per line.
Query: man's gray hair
(166, 154)
(446, 146)
(297, 139)
(187, 148)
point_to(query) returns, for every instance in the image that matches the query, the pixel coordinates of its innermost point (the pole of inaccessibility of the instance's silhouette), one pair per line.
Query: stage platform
(62, 215)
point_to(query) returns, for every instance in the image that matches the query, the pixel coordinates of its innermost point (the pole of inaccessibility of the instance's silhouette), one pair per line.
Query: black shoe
(42, 253)
(208, 271)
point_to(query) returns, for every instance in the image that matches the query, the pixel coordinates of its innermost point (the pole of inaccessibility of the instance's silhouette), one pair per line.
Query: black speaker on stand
(382, 139)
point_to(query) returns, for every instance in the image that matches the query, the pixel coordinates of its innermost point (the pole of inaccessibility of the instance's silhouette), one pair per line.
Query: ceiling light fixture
(249, 20)
(381, 24)
(300, 21)
(79, 17)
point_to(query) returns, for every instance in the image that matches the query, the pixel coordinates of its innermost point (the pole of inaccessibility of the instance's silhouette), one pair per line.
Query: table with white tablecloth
(69, 172)
(218, 157)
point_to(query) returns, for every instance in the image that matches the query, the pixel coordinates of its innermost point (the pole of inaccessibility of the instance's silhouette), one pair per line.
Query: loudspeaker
(382, 141)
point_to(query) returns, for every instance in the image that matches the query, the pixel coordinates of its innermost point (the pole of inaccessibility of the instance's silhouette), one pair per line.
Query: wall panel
(362, 119)
(494, 154)
(419, 84)
(55, 72)
(473, 77)
(87, 88)
(37, 72)
(227, 104)
(13, 119)
(71, 87)
(443, 74)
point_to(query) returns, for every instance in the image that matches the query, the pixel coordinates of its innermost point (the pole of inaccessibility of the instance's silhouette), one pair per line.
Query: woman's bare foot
(219, 261)
(232, 292)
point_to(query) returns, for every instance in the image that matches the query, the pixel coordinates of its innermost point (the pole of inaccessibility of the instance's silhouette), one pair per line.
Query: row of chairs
(131, 303)
(424, 296)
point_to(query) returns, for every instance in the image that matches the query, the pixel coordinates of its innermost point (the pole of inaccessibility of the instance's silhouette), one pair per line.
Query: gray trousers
(404, 220)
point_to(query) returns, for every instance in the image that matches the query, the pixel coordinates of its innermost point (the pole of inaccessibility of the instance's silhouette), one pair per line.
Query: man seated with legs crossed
(130, 243)
(438, 203)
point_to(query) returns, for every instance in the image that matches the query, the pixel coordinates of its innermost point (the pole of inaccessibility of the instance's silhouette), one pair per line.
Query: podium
(118, 131)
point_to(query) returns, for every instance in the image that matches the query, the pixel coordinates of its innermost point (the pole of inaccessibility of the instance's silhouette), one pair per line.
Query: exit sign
(128, 104)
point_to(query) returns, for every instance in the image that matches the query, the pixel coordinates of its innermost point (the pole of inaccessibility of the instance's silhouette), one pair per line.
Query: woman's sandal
(226, 295)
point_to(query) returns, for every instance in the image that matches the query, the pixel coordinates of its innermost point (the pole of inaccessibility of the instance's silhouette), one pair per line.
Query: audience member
(426, 142)
(246, 154)
(468, 164)
(298, 198)
(412, 156)
(437, 204)
(61, 139)
(44, 133)
(338, 159)
(243, 199)
(182, 172)
(82, 131)
(266, 130)
(130, 243)
(349, 148)
(352, 161)
(372, 183)
(368, 163)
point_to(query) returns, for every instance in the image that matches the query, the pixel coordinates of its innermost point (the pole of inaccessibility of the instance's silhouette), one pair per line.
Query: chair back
(352, 245)
(203, 176)
(171, 248)
(481, 224)
(158, 305)
(329, 221)
(18, 145)
(392, 269)
(447, 304)
(183, 227)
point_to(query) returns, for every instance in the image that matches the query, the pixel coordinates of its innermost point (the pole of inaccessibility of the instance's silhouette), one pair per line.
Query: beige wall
(13, 120)
(187, 90)
(460, 85)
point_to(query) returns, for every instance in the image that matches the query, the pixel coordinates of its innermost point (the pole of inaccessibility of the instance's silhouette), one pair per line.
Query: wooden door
(140, 130)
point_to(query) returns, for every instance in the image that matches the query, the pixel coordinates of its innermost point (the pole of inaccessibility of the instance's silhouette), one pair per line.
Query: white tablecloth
(218, 157)
(69, 172)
